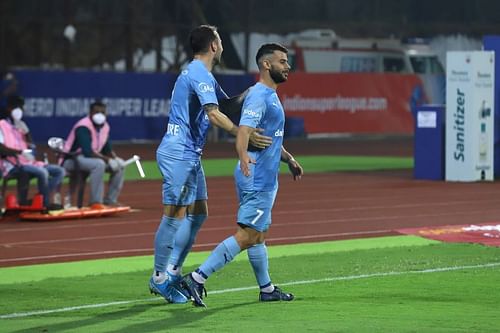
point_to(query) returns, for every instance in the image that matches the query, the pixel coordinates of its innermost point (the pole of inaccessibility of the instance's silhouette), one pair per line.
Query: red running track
(320, 207)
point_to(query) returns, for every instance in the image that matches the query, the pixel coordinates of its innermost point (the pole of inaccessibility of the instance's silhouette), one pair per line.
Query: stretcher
(36, 211)
(69, 214)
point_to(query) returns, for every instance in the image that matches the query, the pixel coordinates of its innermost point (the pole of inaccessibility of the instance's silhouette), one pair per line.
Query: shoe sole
(291, 298)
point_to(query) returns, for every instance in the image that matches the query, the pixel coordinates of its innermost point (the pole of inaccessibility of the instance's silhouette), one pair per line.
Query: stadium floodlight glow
(70, 32)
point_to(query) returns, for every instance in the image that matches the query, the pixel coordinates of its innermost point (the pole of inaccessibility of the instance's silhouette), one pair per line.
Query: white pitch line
(224, 291)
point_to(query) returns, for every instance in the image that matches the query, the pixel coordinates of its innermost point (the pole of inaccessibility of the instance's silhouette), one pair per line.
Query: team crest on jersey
(205, 87)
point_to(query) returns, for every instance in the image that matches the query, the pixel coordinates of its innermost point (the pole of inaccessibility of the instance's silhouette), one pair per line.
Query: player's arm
(219, 119)
(293, 165)
(242, 139)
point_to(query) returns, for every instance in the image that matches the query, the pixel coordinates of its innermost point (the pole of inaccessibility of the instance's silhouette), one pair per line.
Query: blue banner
(492, 43)
(137, 103)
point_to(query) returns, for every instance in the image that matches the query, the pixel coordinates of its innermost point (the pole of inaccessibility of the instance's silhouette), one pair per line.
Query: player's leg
(257, 255)
(178, 193)
(252, 217)
(186, 235)
(223, 254)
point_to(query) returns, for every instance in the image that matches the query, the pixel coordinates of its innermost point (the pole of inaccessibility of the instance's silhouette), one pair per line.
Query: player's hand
(260, 141)
(295, 169)
(245, 165)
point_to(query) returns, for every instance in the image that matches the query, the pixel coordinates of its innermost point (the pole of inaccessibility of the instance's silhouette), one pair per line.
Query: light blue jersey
(188, 123)
(262, 109)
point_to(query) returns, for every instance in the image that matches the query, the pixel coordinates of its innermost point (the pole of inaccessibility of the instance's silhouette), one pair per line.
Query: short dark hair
(201, 37)
(15, 101)
(97, 103)
(269, 48)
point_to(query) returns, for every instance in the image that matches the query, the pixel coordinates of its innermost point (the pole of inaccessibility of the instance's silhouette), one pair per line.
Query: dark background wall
(31, 31)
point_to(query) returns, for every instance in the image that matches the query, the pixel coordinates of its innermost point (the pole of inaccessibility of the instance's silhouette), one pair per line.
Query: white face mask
(99, 118)
(17, 114)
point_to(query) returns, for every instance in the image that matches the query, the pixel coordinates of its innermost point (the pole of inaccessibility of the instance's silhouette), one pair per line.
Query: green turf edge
(311, 164)
(32, 273)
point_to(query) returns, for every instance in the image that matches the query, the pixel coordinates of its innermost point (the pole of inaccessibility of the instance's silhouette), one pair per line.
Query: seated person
(18, 160)
(89, 138)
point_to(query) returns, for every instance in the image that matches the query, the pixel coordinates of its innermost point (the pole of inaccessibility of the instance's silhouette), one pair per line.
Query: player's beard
(277, 76)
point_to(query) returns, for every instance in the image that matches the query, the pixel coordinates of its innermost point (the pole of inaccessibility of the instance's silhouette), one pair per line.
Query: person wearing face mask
(89, 139)
(18, 160)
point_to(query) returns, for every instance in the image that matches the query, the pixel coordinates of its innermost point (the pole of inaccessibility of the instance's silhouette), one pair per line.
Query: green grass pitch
(387, 284)
(311, 164)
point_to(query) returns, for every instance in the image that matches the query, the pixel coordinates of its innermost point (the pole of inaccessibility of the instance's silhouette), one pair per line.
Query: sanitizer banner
(469, 116)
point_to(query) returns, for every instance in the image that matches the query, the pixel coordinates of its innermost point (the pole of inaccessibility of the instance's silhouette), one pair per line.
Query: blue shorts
(255, 209)
(183, 181)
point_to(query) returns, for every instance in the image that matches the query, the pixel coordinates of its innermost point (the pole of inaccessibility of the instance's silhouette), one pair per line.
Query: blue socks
(257, 255)
(185, 238)
(223, 254)
(164, 241)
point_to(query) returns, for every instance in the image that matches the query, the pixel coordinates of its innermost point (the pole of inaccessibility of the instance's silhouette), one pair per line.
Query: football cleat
(195, 290)
(276, 295)
(167, 290)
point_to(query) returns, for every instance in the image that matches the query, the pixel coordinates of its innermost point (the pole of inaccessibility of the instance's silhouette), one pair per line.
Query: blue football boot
(168, 289)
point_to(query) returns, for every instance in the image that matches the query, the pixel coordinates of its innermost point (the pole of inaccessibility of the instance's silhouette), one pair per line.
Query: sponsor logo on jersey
(250, 113)
(205, 87)
(279, 132)
(173, 129)
(184, 72)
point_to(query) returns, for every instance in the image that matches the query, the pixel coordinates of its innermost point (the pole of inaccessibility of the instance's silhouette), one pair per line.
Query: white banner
(469, 115)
